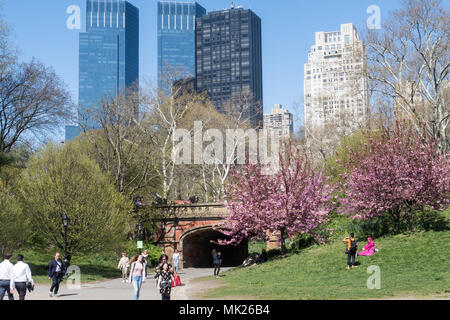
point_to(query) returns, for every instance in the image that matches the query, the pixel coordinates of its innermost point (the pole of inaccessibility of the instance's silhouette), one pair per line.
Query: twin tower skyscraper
(220, 51)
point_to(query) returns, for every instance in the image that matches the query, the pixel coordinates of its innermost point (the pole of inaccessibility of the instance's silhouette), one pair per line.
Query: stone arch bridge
(190, 229)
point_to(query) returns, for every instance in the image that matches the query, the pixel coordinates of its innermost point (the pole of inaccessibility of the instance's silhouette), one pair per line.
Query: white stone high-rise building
(333, 82)
(279, 121)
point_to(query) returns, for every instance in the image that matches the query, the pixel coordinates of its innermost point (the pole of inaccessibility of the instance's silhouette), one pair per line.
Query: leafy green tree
(123, 145)
(65, 181)
(13, 230)
(356, 141)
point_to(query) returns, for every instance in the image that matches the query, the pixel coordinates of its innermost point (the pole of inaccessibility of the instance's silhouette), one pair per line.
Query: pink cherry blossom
(293, 200)
(397, 173)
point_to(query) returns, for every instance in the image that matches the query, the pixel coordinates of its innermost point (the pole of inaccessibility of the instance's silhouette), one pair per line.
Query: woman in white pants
(124, 263)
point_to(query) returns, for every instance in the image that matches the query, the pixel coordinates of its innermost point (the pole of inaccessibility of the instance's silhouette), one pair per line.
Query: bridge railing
(187, 210)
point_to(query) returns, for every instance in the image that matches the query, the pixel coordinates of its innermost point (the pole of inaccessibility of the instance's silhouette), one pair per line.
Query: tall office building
(108, 56)
(229, 61)
(176, 40)
(280, 121)
(333, 81)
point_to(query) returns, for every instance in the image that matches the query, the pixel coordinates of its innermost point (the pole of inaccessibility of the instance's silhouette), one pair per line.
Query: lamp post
(65, 221)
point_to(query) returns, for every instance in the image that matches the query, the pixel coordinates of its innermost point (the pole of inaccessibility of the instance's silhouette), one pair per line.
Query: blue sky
(288, 27)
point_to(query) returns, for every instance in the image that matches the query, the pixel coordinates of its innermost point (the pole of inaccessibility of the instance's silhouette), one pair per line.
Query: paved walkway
(116, 290)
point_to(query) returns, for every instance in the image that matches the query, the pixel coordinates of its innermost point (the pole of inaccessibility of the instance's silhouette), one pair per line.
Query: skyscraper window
(236, 55)
(176, 39)
(108, 55)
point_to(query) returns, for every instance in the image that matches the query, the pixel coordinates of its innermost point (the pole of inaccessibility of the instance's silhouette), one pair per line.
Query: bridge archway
(197, 246)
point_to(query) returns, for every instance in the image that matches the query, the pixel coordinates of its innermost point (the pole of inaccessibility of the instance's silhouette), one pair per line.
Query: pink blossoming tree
(396, 173)
(290, 201)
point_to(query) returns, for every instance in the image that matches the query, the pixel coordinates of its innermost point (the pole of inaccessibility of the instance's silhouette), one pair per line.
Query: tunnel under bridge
(190, 228)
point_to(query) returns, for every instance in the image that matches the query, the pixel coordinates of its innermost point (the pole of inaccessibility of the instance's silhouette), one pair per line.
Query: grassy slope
(416, 264)
(93, 268)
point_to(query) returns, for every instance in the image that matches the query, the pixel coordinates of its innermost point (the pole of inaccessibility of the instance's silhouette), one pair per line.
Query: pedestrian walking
(217, 261)
(6, 278)
(165, 282)
(162, 260)
(176, 260)
(22, 277)
(56, 272)
(137, 275)
(176, 278)
(350, 250)
(145, 256)
(133, 259)
(124, 264)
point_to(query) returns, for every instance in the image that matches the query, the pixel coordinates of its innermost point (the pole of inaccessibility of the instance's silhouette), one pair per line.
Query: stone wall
(191, 222)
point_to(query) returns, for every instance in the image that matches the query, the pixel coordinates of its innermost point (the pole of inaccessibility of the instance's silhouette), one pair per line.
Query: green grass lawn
(93, 267)
(417, 264)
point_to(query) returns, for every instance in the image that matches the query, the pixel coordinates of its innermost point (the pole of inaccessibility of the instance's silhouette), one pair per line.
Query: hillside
(411, 265)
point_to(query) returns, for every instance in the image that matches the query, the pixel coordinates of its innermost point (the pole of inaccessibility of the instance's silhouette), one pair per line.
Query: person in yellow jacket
(350, 250)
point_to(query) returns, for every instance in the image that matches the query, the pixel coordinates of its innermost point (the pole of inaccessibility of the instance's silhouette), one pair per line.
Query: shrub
(381, 226)
(154, 252)
(375, 227)
(63, 181)
(302, 241)
(256, 246)
(432, 220)
(13, 221)
(273, 253)
(13, 230)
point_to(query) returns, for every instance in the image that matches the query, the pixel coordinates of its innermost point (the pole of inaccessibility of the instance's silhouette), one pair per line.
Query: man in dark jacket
(217, 261)
(56, 272)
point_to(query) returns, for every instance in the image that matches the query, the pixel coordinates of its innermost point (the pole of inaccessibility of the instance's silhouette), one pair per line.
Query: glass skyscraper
(108, 56)
(176, 40)
(229, 61)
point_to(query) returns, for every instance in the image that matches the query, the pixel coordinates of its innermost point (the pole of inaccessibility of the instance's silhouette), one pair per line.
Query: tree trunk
(411, 220)
(283, 241)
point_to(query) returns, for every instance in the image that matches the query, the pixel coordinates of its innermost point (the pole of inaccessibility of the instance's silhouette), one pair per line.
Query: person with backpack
(350, 250)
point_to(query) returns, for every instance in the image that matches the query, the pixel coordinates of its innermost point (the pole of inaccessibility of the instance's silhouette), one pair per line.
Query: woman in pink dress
(368, 249)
